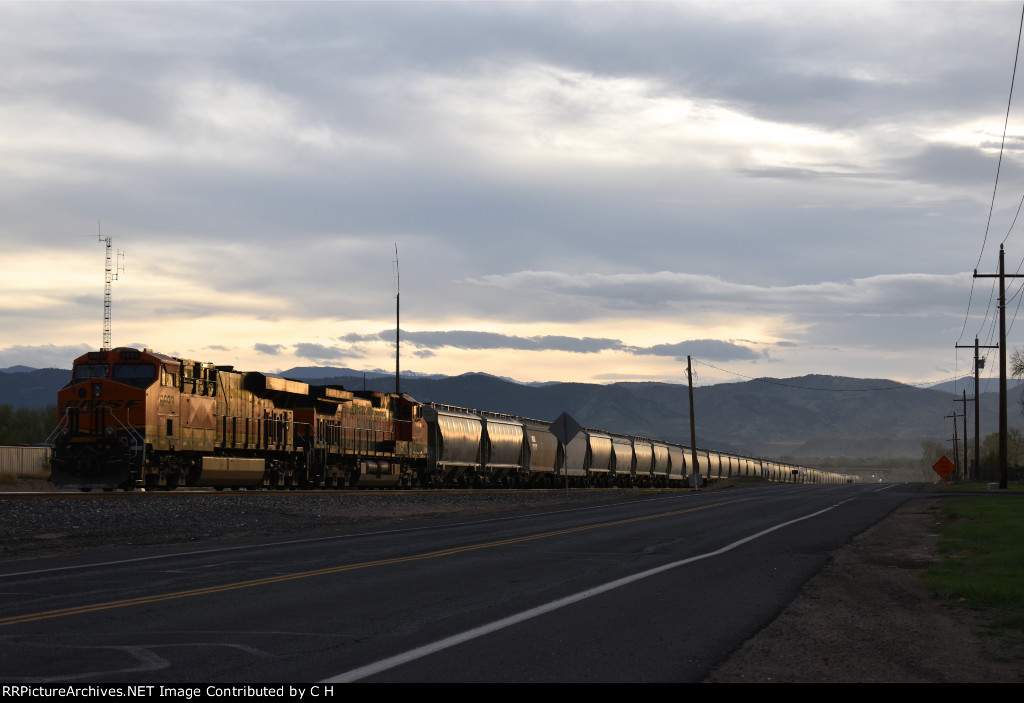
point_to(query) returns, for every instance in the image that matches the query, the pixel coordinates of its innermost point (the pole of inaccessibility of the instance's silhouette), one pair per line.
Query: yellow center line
(79, 610)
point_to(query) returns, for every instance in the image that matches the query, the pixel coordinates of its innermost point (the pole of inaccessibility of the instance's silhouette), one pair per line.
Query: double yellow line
(142, 600)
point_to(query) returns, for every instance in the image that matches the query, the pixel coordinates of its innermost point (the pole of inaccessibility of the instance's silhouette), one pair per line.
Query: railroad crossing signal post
(565, 428)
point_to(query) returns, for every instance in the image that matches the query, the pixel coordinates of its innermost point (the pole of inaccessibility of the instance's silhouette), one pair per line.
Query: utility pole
(693, 425)
(979, 364)
(1003, 453)
(964, 469)
(956, 446)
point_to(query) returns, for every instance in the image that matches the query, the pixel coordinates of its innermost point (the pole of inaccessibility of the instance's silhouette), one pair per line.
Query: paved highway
(652, 589)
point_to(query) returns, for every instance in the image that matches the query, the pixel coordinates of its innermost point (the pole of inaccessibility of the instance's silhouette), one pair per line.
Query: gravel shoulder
(865, 617)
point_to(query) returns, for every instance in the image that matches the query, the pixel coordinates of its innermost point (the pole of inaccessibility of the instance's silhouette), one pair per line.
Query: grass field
(983, 542)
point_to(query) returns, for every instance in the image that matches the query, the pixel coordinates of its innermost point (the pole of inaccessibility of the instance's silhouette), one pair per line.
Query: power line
(995, 186)
(1006, 122)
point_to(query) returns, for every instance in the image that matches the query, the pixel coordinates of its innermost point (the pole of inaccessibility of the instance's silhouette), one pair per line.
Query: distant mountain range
(808, 416)
(17, 369)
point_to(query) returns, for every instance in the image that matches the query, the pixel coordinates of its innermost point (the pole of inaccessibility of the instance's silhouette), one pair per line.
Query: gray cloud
(708, 349)
(425, 341)
(535, 163)
(801, 174)
(272, 349)
(319, 352)
(354, 338)
(660, 293)
(465, 339)
(956, 165)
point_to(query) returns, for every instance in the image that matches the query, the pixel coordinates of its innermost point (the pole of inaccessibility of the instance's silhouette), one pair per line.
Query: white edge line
(419, 652)
(891, 485)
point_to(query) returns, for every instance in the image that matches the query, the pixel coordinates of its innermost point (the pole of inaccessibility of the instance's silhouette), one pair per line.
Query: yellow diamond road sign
(944, 467)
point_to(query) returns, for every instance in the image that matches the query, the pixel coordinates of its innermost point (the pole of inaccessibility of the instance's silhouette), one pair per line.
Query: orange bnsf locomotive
(133, 418)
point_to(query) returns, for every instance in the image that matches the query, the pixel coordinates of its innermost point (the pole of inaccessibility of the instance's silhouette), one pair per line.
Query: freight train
(133, 418)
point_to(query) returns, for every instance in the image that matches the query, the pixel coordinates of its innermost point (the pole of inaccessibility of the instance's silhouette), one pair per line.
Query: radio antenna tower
(398, 327)
(110, 272)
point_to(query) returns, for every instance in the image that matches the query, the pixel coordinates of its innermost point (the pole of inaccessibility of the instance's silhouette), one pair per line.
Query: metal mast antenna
(398, 299)
(110, 275)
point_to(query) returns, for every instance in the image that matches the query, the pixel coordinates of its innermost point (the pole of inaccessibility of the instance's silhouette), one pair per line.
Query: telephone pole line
(1002, 276)
(693, 425)
(965, 471)
(956, 448)
(979, 364)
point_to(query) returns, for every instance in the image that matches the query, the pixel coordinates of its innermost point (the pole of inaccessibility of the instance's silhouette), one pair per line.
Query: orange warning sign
(944, 467)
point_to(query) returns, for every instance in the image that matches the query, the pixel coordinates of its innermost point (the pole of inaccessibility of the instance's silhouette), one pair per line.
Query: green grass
(983, 541)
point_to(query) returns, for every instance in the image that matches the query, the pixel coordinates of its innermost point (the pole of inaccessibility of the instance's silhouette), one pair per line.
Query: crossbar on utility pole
(965, 471)
(979, 364)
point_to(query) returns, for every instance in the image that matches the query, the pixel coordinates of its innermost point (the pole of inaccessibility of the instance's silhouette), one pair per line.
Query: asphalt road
(655, 589)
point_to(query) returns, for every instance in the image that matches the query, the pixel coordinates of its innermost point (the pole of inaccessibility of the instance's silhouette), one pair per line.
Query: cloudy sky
(584, 192)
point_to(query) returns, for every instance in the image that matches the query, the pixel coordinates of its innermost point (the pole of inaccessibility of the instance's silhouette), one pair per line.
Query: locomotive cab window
(135, 374)
(91, 371)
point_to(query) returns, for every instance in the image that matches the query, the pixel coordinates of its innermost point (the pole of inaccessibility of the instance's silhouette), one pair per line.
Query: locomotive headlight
(97, 390)
(108, 432)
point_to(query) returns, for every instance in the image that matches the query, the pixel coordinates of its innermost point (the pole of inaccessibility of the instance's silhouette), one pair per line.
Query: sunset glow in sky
(578, 192)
